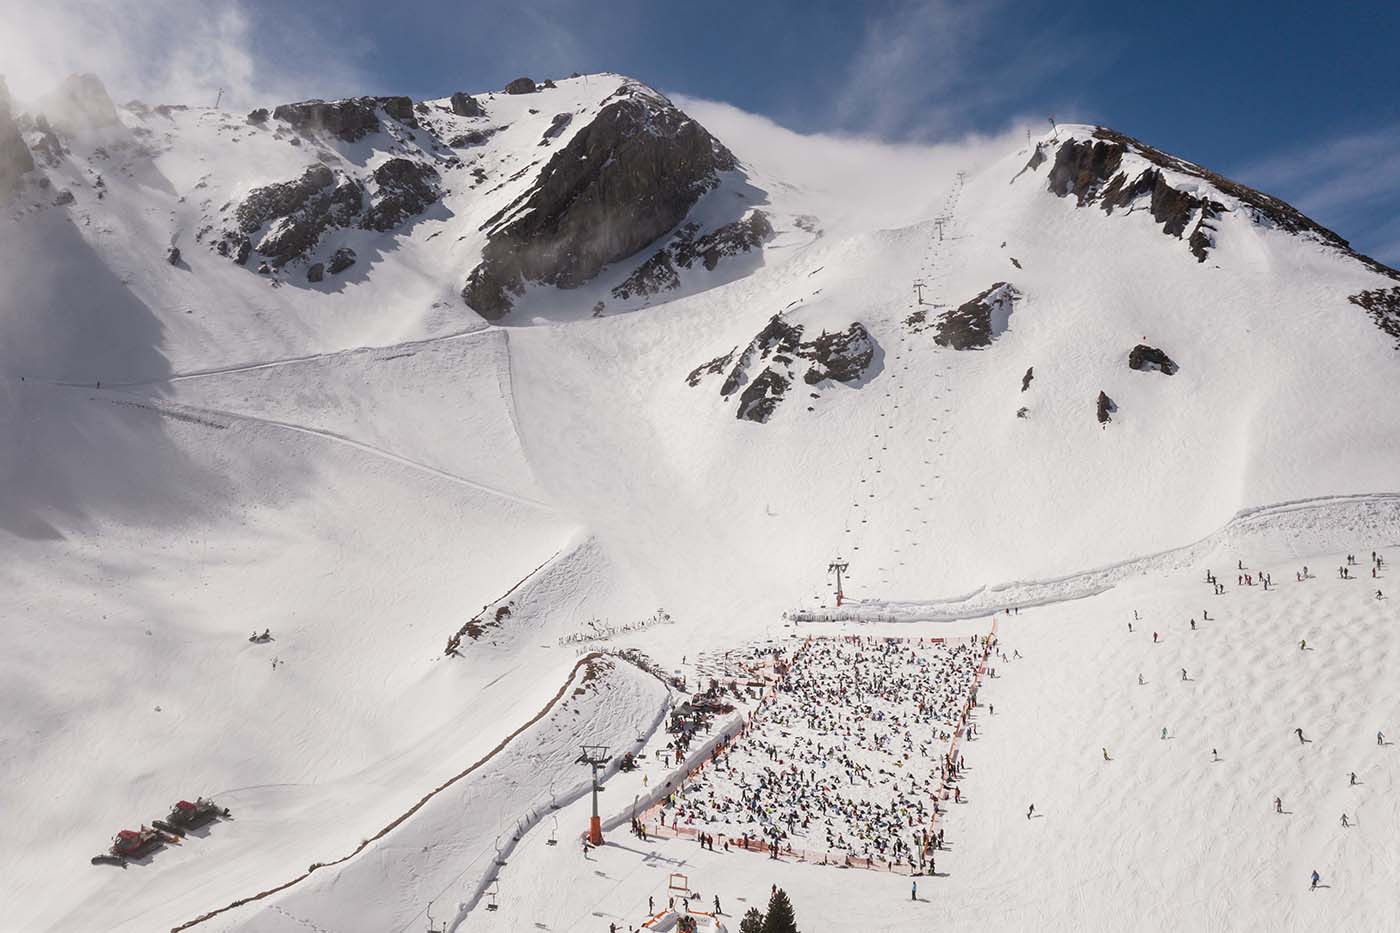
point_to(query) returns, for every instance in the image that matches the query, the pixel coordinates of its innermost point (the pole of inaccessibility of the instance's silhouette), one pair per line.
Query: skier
(1030, 812)
(1301, 740)
(1303, 645)
(1164, 732)
(1315, 879)
(1183, 674)
(717, 910)
(1140, 680)
(913, 890)
(1105, 755)
(1278, 804)
(1154, 638)
(1353, 779)
(1214, 755)
(1345, 823)
(1193, 625)
(1380, 738)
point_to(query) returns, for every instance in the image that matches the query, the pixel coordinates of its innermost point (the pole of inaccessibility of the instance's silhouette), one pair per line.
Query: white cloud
(166, 51)
(854, 182)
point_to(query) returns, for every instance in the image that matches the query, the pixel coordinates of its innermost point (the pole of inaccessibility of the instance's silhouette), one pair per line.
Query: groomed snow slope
(361, 465)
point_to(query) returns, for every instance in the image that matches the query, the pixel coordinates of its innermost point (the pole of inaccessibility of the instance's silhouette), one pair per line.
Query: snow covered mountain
(524, 366)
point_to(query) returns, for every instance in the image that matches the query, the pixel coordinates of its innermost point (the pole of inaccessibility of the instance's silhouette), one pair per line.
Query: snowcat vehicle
(185, 816)
(132, 843)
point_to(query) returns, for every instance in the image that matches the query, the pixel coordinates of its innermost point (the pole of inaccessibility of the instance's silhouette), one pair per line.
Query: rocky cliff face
(620, 183)
(81, 104)
(972, 325)
(351, 119)
(843, 356)
(15, 158)
(658, 274)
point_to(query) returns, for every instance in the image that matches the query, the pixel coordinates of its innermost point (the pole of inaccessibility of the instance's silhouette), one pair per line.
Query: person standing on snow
(1301, 740)
(1315, 879)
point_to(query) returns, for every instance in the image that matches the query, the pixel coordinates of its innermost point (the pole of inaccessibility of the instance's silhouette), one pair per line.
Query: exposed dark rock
(1023, 412)
(405, 189)
(1106, 408)
(842, 356)
(49, 148)
(351, 119)
(464, 105)
(758, 401)
(472, 137)
(172, 255)
(341, 260)
(1150, 359)
(521, 86)
(295, 214)
(1026, 379)
(316, 272)
(1083, 167)
(1383, 304)
(400, 108)
(63, 198)
(713, 368)
(264, 268)
(258, 117)
(777, 336)
(1015, 262)
(557, 124)
(659, 274)
(15, 158)
(976, 323)
(235, 245)
(622, 181)
(548, 83)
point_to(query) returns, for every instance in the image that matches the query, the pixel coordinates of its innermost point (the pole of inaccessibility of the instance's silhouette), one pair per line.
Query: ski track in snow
(190, 411)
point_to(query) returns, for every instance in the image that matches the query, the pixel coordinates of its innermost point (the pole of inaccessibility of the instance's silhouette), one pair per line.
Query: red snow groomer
(185, 816)
(132, 843)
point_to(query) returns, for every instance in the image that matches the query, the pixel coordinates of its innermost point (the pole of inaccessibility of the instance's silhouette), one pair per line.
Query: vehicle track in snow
(189, 412)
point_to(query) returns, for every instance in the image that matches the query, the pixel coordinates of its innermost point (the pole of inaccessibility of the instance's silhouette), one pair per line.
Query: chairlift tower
(838, 567)
(596, 757)
(919, 287)
(939, 222)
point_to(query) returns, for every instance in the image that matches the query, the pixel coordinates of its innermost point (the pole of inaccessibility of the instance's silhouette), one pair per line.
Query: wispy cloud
(926, 68)
(1348, 182)
(174, 51)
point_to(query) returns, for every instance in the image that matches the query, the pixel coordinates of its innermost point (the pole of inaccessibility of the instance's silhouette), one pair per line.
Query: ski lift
(433, 926)
(491, 896)
(553, 839)
(499, 859)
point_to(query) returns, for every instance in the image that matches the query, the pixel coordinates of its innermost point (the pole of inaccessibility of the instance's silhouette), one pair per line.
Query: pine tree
(780, 918)
(752, 922)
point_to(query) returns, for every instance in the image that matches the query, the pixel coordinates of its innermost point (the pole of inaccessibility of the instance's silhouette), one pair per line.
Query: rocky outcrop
(973, 324)
(285, 221)
(464, 105)
(1383, 304)
(473, 137)
(1150, 359)
(403, 189)
(558, 124)
(1106, 408)
(341, 260)
(257, 117)
(843, 356)
(81, 104)
(521, 86)
(777, 352)
(659, 274)
(15, 158)
(316, 272)
(351, 119)
(1026, 379)
(1091, 171)
(621, 182)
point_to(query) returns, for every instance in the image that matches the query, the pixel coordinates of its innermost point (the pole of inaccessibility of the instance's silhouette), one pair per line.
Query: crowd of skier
(848, 755)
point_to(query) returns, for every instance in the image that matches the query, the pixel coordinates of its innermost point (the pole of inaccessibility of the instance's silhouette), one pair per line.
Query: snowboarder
(1214, 755)
(1030, 812)
(1164, 732)
(1183, 674)
(1154, 638)
(1140, 680)
(1315, 879)
(1278, 804)
(1301, 740)
(1193, 625)
(1345, 823)
(1380, 738)
(1105, 754)
(1303, 645)
(1353, 779)
(717, 910)
(913, 890)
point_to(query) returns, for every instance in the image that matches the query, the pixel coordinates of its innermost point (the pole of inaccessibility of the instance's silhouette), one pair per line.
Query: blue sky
(1299, 99)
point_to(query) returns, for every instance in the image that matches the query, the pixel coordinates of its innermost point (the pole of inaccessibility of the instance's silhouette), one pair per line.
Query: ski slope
(364, 467)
